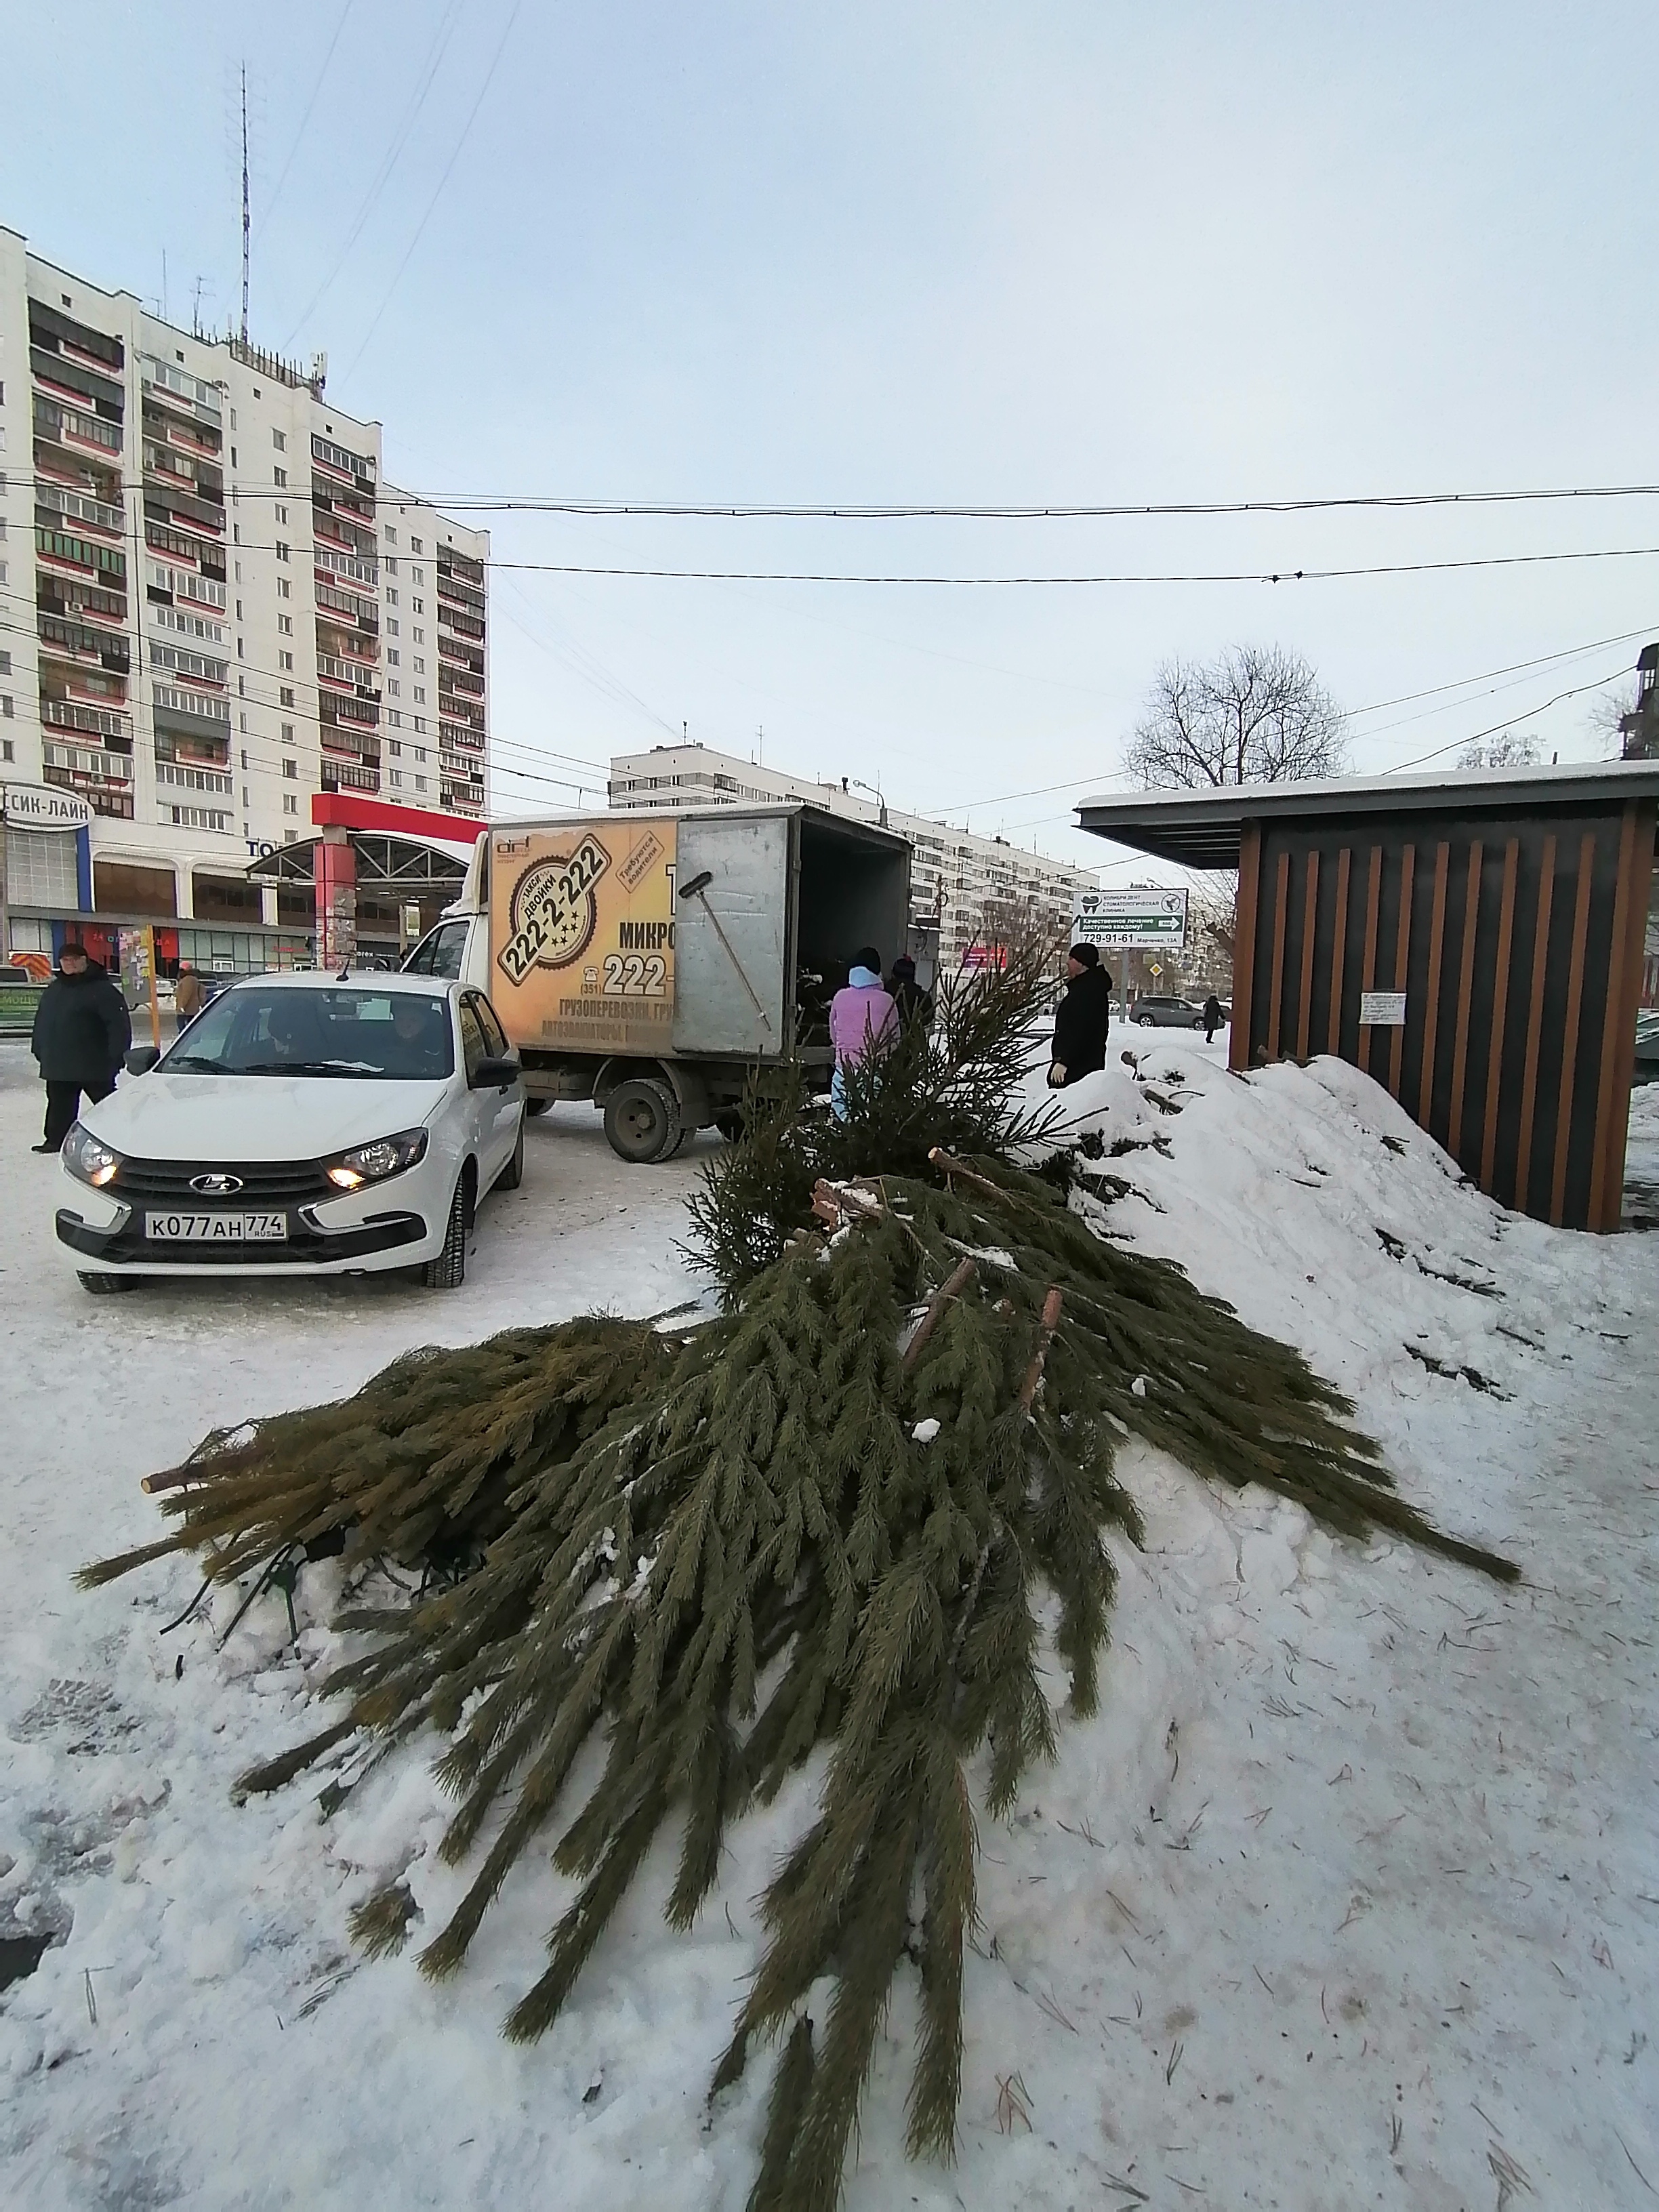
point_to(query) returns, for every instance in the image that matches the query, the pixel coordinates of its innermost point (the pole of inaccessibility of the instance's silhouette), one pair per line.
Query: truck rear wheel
(643, 1119)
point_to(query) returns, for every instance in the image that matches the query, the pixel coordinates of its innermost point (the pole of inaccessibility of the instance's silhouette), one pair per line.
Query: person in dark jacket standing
(1213, 1017)
(82, 1032)
(914, 1003)
(1081, 1019)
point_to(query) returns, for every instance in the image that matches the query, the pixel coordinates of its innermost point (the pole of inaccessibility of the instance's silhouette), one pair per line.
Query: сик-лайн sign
(43, 806)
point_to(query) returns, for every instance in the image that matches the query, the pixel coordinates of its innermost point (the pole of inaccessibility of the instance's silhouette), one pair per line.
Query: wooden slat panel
(1276, 989)
(1570, 1042)
(1432, 1012)
(1249, 874)
(1465, 986)
(1401, 955)
(1612, 1093)
(1500, 999)
(1310, 923)
(1339, 949)
(1540, 956)
(1367, 967)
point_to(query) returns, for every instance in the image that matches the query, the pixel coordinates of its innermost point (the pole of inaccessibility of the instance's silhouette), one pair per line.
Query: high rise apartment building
(214, 607)
(959, 881)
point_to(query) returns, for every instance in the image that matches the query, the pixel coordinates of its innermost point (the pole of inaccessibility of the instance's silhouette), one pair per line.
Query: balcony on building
(339, 464)
(184, 551)
(349, 776)
(71, 358)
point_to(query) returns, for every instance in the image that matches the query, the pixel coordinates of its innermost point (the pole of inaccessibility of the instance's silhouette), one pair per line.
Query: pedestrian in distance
(914, 1003)
(864, 1023)
(1081, 1019)
(82, 1032)
(1213, 1017)
(187, 995)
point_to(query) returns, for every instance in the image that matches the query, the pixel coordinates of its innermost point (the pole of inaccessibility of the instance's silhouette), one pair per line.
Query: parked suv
(1166, 1014)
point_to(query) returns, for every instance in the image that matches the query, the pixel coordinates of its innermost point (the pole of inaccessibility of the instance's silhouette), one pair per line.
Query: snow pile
(1347, 1896)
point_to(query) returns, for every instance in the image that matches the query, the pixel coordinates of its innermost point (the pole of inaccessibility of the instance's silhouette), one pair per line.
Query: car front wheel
(1144, 1022)
(449, 1271)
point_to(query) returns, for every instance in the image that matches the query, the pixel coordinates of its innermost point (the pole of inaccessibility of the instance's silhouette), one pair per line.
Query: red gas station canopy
(341, 810)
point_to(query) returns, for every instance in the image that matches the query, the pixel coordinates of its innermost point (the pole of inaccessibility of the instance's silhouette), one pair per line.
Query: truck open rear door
(733, 891)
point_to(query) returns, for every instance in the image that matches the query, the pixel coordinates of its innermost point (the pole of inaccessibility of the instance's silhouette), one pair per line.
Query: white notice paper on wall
(1383, 1010)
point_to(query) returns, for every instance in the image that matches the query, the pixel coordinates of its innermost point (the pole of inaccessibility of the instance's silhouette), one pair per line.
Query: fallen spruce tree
(828, 1516)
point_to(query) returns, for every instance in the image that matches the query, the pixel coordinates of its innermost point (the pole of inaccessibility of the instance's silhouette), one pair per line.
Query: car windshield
(275, 1028)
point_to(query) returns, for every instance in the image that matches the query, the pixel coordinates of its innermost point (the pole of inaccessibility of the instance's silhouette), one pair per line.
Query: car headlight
(84, 1156)
(386, 1156)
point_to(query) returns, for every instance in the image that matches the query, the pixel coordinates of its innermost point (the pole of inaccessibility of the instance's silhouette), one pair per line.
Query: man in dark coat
(1213, 1017)
(82, 1032)
(1081, 1019)
(914, 1003)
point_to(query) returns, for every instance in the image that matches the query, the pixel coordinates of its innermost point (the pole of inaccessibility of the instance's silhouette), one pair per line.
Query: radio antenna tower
(245, 205)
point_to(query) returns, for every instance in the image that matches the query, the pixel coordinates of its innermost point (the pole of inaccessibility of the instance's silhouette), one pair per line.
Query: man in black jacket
(82, 1032)
(1081, 1019)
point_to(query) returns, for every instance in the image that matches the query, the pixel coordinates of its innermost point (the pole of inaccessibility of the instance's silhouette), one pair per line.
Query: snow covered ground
(1349, 1896)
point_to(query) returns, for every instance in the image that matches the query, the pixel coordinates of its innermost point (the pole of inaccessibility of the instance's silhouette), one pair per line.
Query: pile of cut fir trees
(829, 1515)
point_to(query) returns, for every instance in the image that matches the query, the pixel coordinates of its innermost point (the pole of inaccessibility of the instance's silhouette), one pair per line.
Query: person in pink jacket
(864, 1023)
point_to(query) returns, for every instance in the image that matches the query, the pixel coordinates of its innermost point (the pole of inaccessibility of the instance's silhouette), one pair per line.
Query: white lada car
(301, 1124)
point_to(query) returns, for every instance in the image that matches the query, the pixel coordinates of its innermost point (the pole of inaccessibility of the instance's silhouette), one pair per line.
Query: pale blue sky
(1069, 253)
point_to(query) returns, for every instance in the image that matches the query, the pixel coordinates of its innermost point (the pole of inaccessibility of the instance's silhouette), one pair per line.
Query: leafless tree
(1507, 751)
(1607, 711)
(1255, 714)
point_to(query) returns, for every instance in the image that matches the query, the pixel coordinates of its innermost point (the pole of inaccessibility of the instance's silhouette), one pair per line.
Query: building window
(281, 551)
(415, 545)
(6, 750)
(418, 577)
(391, 566)
(282, 589)
(396, 751)
(392, 686)
(286, 662)
(391, 535)
(420, 695)
(420, 637)
(7, 706)
(395, 778)
(285, 695)
(279, 476)
(5, 664)
(282, 516)
(394, 718)
(419, 606)
(279, 439)
(288, 736)
(420, 752)
(291, 769)
(285, 625)
(420, 783)
(291, 804)
(391, 657)
(419, 662)
(392, 624)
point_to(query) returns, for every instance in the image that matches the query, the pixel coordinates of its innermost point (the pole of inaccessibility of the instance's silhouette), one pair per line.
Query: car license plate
(215, 1228)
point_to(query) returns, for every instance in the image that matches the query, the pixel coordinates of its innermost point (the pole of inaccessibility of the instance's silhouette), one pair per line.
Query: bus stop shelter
(1473, 942)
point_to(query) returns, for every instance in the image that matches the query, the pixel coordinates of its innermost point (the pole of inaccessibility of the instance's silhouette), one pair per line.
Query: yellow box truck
(646, 962)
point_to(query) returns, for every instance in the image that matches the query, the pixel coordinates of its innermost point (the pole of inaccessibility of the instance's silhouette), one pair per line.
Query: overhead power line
(850, 511)
(1171, 576)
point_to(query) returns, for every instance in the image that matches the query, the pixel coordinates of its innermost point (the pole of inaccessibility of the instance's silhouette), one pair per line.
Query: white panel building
(212, 608)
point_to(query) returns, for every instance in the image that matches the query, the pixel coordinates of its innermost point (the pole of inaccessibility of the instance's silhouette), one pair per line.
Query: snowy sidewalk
(1349, 1896)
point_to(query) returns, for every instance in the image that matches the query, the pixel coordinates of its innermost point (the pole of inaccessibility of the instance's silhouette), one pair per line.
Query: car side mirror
(141, 1059)
(494, 1074)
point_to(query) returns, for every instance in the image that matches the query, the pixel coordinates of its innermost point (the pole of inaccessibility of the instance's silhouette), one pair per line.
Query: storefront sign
(1125, 920)
(43, 806)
